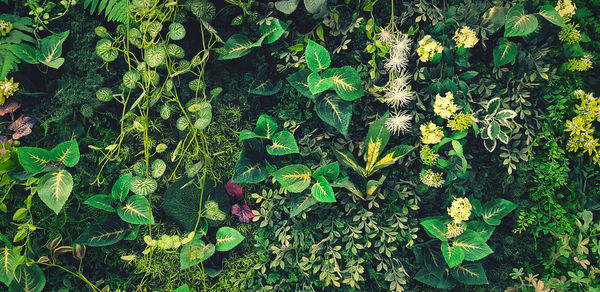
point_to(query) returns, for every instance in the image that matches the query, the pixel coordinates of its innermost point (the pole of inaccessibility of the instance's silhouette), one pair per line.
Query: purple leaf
(234, 190)
(243, 212)
(9, 107)
(22, 126)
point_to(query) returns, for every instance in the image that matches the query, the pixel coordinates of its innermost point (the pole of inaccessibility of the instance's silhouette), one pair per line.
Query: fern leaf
(114, 10)
(8, 62)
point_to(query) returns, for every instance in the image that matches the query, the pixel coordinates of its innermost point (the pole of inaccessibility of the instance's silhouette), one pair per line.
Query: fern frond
(8, 62)
(114, 10)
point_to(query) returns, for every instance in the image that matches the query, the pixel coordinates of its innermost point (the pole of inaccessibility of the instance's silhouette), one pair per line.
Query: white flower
(396, 62)
(402, 45)
(398, 96)
(402, 81)
(386, 36)
(398, 123)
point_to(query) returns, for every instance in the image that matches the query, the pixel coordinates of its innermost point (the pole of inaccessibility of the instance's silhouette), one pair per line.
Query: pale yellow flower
(460, 210)
(444, 106)
(466, 37)
(431, 133)
(428, 48)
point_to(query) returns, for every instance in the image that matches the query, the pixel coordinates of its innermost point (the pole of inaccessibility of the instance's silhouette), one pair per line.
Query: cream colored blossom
(444, 106)
(460, 210)
(398, 123)
(460, 122)
(582, 64)
(428, 48)
(431, 178)
(566, 9)
(466, 37)
(454, 230)
(431, 133)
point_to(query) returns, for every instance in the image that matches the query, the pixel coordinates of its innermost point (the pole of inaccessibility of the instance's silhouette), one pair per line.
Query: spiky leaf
(66, 153)
(295, 178)
(33, 159)
(136, 211)
(518, 23)
(335, 112)
(322, 190)
(103, 232)
(283, 143)
(346, 82)
(470, 273)
(102, 202)
(317, 57)
(55, 188)
(120, 189)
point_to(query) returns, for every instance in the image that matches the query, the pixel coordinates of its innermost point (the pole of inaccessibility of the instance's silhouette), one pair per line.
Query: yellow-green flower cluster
(431, 178)
(444, 106)
(454, 229)
(166, 242)
(580, 127)
(5, 27)
(428, 156)
(7, 89)
(569, 34)
(212, 211)
(428, 48)
(460, 210)
(431, 133)
(566, 9)
(582, 64)
(460, 122)
(466, 37)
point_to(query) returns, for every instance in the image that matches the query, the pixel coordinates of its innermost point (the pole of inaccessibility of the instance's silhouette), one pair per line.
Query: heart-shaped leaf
(204, 116)
(237, 46)
(247, 170)
(265, 126)
(295, 178)
(505, 52)
(322, 190)
(265, 87)
(470, 273)
(495, 210)
(346, 82)
(283, 143)
(154, 56)
(120, 189)
(158, 168)
(549, 13)
(317, 57)
(28, 279)
(143, 186)
(33, 159)
(130, 79)
(473, 245)
(330, 171)
(136, 211)
(10, 259)
(518, 23)
(317, 84)
(453, 255)
(335, 112)
(55, 188)
(106, 51)
(272, 30)
(299, 80)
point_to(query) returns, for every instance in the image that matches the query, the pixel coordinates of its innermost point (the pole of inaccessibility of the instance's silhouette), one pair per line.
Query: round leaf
(176, 31)
(130, 79)
(143, 186)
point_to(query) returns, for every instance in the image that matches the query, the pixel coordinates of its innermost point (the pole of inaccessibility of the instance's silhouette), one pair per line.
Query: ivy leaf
(549, 13)
(28, 279)
(33, 159)
(66, 153)
(470, 273)
(249, 171)
(176, 31)
(335, 112)
(330, 171)
(272, 30)
(317, 84)
(505, 52)
(317, 57)
(204, 116)
(283, 143)
(294, 178)
(495, 210)
(346, 82)
(238, 45)
(474, 246)
(55, 188)
(435, 227)
(228, 238)
(105, 231)
(453, 255)
(120, 189)
(299, 81)
(143, 186)
(9, 260)
(102, 202)
(265, 126)
(136, 211)
(518, 23)
(322, 190)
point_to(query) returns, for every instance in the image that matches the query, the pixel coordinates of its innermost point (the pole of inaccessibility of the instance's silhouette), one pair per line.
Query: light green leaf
(106, 51)
(33, 159)
(317, 84)
(473, 245)
(103, 232)
(483, 230)
(283, 143)
(227, 238)
(66, 153)
(158, 168)
(435, 227)
(470, 273)
(136, 211)
(265, 126)
(330, 171)
(494, 18)
(28, 279)
(10, 259)
(272, 30)
(505, 52)
(25, 52)
(120, 189)
(495, 210)
(204, 116)
(549, 13)
(195, 252)
(247, 170)
(376, 140)
(182, 288)
(175, 51)
(335, 112)
(518, 23)
(155, 56)
(301, 202)
(317, 57)
(176, 31)
(130, 79)
(55, 188)
(143, 186)
(50, 49)
(322, 190)
(346, 82)
(453, 255)
(287, 6)
(295, 178)
(102, 202)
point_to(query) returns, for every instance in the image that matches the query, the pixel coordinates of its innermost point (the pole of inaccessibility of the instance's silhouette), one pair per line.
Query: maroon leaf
(22, 126)
(234, 190)
(9, 107)
(243, 212)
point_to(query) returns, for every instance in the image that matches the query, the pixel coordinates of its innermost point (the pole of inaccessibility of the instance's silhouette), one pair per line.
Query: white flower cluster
(399, 93)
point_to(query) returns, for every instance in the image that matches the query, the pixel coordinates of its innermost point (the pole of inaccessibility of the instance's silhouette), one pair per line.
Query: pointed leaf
(317, 57)
(204, 116)
(483, 230)
(301, 203)
(335, 112)
(317, 83)
(66, 153)
(518, 23)
(143, 186)
(495, 210)
(283, 143)
(322, 190)
(330, 171)
(227, 238)
(103, 232)
(55, 188)
(426, 277)
(287, 6)
(136, 211)
(348, 160)
(237, 46)
(435, 228)
(346, 82)
(158, 168)
(265, 87)
(473, 245)
(247, 134)
(102, 202)
(376, 140)
(28, 279)
(505, 52)
(299, 80)
(434, 261)
(453, 255)
(249, 171)
(294, 178)
(121, 187)
(265, 126)
(50, 48)
(33, 159)
(470, 273)
(272, 30)
(549, 13)
(392, 156)
(10, 258)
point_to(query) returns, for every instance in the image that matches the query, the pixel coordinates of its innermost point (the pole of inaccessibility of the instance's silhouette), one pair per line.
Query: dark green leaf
(102, 202)
(470, 273)
(505, 52)
(518, 23)
(103, 232)
(283, 143)
(136, 211)
(335, 112)
(33, 159)
(66, 153)
(317, 57)
(330, 171)
(495, 210)
(453, 255)
(28, 279)
(549, 13)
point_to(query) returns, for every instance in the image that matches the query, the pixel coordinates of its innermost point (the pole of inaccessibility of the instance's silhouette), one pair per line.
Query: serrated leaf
(505, 52)
(318, 84)
(136, 211)
(453, 255)
(283, 143)
(335, 112)
(322, 190)
(10, 258)
(294, 178)
(120, 189)
(346, 82)
(446, 282)
(33, 159)
(66, 153)
(493, 129)
(518, 23)
(237, 46)
(473, 245)
(265, 126)
(299, 80)
(470, 274)
(143, 186)
(249, 171)
(317, 57)
(102, 202)
(495, 210)
(227, 238)
(549, 13)
(54, 188)
(330, 171)
(28, 279)
(435, 227)
(103, 232)
(272, 30)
